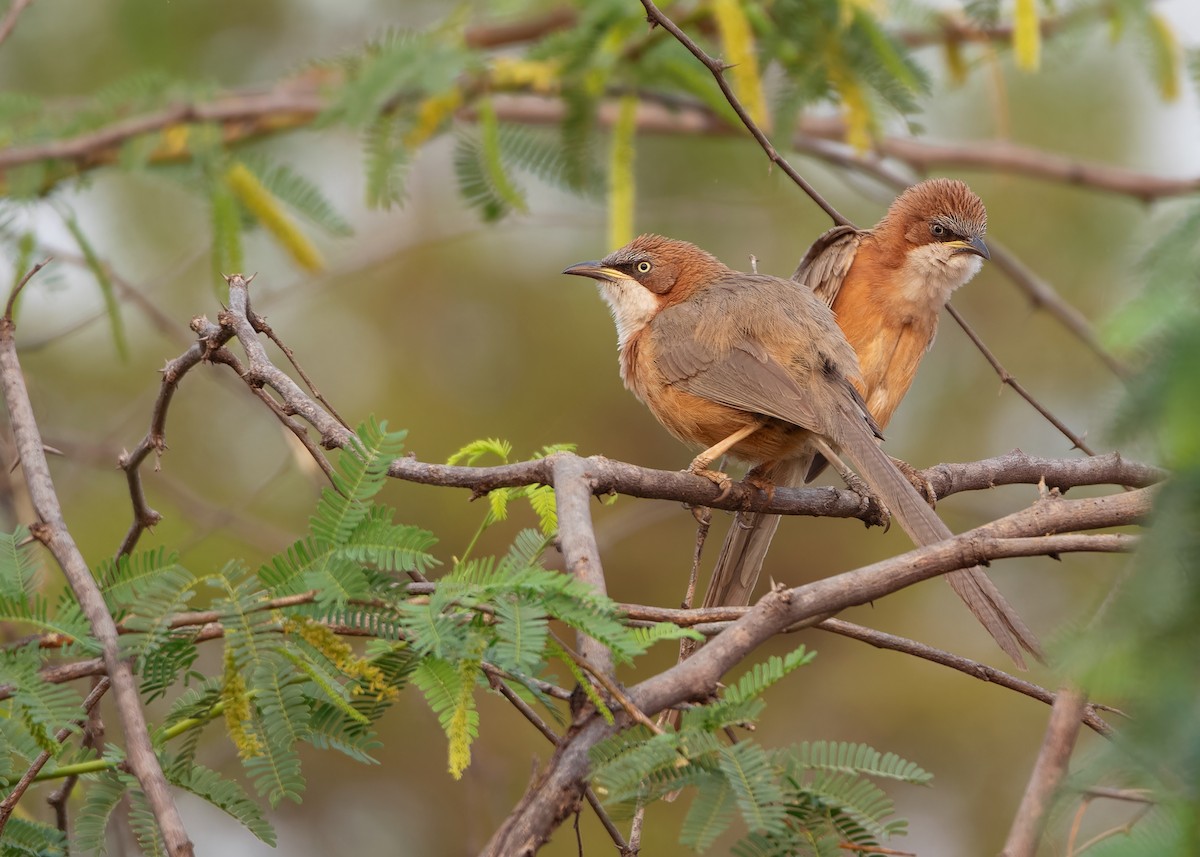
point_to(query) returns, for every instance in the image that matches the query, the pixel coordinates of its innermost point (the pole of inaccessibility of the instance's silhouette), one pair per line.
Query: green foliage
(223, 794)
(807, 799)
(26, 838)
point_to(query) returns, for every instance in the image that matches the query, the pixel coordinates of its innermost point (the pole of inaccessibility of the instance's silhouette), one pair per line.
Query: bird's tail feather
(745, 547)
(923, 525)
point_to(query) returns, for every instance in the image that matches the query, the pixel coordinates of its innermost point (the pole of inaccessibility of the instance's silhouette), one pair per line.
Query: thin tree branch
(541, 726)
(1048, 772)
(52, 531)
(10, 18)
(483, 36)
(211, 339)
(1043, 296)
(1016, 385)
(656, 18)
(12, 297)
(13, 797)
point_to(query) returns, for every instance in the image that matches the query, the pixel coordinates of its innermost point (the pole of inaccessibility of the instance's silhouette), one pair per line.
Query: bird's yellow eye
(644, 267)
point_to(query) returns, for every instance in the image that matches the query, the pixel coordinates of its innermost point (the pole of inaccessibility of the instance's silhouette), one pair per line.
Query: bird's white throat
(933, 271)
(632, 305)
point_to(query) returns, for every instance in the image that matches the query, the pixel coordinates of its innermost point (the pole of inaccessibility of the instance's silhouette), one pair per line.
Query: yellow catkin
(541, 76)
(737, 43)
(857, 112)
(955, 63)
(1166, 57)
(371, 680)
(268, 211)
(847, 8)
(431, 113)
(620, 174)
(1027, 36)
(174, 141)
(237, 710)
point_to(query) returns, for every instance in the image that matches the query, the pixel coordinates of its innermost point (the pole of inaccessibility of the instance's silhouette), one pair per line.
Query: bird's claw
(878, 515)
(924, 486)
(721, 480)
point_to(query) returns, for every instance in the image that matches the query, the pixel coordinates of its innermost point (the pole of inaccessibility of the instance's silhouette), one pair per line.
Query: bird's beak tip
(582, 269)
(973, 246)
(593, 270)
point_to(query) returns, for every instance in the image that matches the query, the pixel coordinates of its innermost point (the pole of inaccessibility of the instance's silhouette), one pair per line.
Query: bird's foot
(762, 484)
(700, 468)
(878, 514)
(924, 486)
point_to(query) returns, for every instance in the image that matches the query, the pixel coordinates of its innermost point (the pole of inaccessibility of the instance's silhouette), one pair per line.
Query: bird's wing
(740, 373)
(823, 268)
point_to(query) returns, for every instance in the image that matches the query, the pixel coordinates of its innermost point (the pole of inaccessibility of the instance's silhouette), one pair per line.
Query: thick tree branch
(577, 539)
(52, 531)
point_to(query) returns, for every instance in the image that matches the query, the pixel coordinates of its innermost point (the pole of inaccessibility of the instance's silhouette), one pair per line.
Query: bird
(756, 367)
(886, 286)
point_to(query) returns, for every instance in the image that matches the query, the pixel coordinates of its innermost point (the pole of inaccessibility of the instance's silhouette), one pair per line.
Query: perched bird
(887, 286)
(756, 367)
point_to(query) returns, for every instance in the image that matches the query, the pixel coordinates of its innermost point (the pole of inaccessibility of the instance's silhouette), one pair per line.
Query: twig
(983, 672)
(1049, 770)
(541, 726)
(260, 324)
(12, 296)
(1011, 381)
(1043, 296)
(1128, 795)
(13, 797)
(655, 16)
(634, 848)
(521, 30)
(211, 339)
(610, 685)
(10, 18)
(52, 531)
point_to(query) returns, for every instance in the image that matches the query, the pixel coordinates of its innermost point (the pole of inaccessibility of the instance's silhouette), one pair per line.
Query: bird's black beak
(594, 270)
(975, 247)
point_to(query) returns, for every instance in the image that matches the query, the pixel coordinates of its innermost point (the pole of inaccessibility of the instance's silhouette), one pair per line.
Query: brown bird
(887, 286)
(756, 367)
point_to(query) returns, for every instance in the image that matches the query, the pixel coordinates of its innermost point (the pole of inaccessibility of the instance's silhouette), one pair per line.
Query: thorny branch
(51, 529)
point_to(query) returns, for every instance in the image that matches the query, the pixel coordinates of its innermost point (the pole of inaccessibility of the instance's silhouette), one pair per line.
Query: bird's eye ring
(644, 267)
(938, 230)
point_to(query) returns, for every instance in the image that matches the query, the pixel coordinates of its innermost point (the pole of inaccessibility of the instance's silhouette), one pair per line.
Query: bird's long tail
(923, 525)
(745, 546)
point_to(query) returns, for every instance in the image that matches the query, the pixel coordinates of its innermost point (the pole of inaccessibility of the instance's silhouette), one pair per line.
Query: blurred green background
(457, 330)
